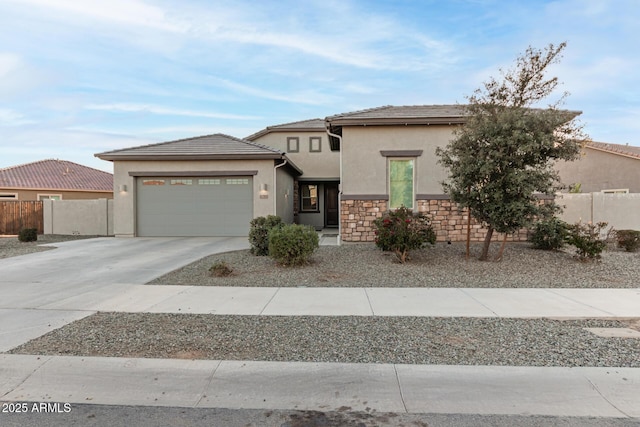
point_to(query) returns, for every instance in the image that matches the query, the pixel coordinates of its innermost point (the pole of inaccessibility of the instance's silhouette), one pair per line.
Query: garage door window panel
(153, 182)
(181, 182)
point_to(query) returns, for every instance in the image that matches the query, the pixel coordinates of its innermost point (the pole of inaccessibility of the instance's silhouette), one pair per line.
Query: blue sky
(81, 77)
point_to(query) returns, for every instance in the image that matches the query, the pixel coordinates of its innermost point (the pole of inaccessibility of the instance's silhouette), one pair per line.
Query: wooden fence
(16, 215)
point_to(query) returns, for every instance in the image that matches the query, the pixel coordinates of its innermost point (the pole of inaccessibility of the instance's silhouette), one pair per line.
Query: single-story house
(340, 172)
(608, 168)
(54, 179)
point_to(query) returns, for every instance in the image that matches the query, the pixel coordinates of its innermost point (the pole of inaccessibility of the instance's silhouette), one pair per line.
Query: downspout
(275, 189)
(339, 188)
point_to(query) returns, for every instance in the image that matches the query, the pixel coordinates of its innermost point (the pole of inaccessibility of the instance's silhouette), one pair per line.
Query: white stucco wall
(124, 202)
(365, 169)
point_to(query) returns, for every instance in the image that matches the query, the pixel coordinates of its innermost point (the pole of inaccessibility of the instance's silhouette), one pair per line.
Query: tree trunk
(487, 242)
(468, 233)
(500, 252)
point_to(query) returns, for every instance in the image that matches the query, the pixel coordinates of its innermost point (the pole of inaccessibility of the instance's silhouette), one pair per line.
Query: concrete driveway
(87, 271)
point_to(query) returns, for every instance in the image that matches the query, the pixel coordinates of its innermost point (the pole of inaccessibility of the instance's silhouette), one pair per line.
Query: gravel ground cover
(364, 265)
(408, 340)
(11, 246)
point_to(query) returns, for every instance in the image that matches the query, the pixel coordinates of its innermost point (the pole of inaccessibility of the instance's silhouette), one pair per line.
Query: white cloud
(12, 118)
(9, 62)
(130, 12)
(154, 109)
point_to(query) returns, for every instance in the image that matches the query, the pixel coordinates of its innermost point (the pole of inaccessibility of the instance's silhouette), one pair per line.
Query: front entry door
(331, 208)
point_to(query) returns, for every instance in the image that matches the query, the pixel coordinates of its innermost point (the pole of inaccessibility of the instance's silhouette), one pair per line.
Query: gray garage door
(194, 206)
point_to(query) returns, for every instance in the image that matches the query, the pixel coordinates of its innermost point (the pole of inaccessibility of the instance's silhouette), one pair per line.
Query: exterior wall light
(264, 191)
(122, 188)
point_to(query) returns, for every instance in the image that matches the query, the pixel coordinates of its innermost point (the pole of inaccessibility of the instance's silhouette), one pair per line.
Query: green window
(401, 183)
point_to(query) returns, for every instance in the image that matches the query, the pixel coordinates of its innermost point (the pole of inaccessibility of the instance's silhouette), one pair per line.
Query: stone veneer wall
(449, 222)
(356, 219)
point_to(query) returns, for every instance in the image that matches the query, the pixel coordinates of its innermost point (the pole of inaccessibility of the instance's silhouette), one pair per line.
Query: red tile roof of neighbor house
(623, 150)
(56, 174)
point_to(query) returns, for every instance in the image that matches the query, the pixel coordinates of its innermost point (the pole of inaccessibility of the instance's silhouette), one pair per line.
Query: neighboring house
(205, 186)
(55, 180)
(610, 168)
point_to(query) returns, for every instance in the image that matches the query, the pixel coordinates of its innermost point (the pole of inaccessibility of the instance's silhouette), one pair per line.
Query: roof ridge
(366, 110)
(293, 123)
(615, 148)
(25, 164)
(155, 144)
(51, 160)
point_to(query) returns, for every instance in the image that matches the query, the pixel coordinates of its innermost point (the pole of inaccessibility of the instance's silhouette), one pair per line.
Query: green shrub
(221, 269)
(628, 239)
(402, 230)
(588, 240)
(28, 235)
(259, 233)
(550, 234)
(292, 244)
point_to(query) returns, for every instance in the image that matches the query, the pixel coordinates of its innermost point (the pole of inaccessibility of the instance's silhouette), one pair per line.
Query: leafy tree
(503, 155)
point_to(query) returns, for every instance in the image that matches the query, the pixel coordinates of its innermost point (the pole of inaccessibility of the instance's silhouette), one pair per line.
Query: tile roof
(218, 146)
(623, 150)
(55, 174)
(407, 114)
(311, 125)
(390, 114)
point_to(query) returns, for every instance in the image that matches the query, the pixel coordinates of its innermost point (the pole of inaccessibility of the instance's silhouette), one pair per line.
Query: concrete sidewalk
(593, 392)
(429, 302)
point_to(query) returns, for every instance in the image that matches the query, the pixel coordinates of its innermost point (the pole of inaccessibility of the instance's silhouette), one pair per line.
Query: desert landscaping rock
(404, 340)
(364, 265)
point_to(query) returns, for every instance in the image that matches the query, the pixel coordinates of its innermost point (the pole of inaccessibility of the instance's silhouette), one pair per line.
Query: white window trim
(415, 164)
(48, 195)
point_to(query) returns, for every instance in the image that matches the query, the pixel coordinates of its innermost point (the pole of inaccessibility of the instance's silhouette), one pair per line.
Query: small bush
(28, 235)
(550, 234)
(221, 269)
(292, 244)
(628, 239)
(259, 233)
(403, 230)
(588, 240)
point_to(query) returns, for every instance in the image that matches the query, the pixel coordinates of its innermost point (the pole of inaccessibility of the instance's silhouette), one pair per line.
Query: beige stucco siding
(124, 202)
(598, 170)
(283, 195)
(323, 164)
(365, 169)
